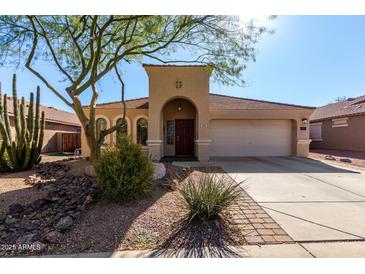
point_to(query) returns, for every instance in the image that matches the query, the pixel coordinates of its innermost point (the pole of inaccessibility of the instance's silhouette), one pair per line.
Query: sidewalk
(349, 249)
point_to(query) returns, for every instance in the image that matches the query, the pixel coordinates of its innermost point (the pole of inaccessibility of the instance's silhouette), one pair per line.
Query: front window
(123, 130)
(100, 125)
(142, 126)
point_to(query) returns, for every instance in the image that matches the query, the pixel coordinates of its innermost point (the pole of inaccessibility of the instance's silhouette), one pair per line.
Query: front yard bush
(123, 173)
(207, 195)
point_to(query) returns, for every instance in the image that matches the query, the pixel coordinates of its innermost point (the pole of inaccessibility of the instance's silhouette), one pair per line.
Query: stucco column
(154, 141)
(202, 143)
(303, 140)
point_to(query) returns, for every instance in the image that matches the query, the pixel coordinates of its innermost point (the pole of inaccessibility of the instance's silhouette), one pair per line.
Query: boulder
(159, 171)
(88, 200)
(65, 223)
(37, 204)
(10, 220)
(345, 160)
(27, 238)
(52, 237)
(330, 157)
(89, 171)
(16, 209)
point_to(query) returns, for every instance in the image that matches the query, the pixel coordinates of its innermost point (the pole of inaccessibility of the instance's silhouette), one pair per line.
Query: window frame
(107, 138)
(135, 129)
(319, 125)
(129, 130)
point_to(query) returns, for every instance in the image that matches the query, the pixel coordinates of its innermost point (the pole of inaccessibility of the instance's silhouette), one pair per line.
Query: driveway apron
(311, 200)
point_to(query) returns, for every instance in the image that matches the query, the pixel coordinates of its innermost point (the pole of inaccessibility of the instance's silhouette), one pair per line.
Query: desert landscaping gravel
(158, 222)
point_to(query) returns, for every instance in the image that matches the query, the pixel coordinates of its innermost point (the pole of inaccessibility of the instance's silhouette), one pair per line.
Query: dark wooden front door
(184, 137)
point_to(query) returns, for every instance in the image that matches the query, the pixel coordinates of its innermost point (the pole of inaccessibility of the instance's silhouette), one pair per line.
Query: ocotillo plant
(23, 152)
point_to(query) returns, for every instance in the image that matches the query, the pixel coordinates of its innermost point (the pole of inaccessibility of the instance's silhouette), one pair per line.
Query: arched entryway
(179, 119)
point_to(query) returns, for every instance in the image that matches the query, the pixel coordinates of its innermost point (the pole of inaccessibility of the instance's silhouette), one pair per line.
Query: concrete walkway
(254, 251)
(312, 201)
(309, 250)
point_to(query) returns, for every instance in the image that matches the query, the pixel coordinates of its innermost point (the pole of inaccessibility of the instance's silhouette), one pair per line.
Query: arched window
(101, 124)
(142, 126)
(123, 130)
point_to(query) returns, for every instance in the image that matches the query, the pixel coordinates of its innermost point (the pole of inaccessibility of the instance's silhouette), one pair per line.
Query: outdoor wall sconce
(304, 121)
(179, 107)
(178, 84)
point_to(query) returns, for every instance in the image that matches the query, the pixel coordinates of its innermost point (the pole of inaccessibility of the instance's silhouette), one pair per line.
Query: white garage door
(250, 138)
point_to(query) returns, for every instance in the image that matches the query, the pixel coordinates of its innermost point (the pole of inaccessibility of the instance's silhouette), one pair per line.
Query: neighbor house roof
(349, 107)
(52, 114)
(216, 102)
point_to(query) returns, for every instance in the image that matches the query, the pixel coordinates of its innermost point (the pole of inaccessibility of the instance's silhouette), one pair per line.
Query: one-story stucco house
(339, 125)
(181, 118)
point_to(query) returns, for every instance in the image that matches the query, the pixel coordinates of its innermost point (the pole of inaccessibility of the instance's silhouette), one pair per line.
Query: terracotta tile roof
(139, 103)
(52, 114)
(216, 101)
(349, 107)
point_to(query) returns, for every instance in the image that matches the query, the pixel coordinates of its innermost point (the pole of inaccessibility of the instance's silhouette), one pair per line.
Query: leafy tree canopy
(86, 48)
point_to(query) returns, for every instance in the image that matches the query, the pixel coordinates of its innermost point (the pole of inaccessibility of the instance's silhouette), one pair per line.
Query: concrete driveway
(312, 201)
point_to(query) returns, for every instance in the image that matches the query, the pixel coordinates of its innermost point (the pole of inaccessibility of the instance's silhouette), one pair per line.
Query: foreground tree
(86, 48)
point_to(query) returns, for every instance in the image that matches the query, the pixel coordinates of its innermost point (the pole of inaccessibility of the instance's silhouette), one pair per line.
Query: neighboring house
(181, 118)
(61, 132)
(339, 125)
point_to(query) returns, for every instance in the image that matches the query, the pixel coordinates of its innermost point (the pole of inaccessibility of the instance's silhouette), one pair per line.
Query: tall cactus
(23, 152)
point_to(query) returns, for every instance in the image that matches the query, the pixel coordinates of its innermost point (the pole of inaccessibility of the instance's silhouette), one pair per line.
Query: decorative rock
(345, 160)
(16, 209)
(330, 157)
(10, 221)
(65, 223)
(52, 237)
(29, 226)
(89, 171)
(31, 180)
(25, 239)
(2, 218)
(60, 173)
(37, 204)
(75, 215)
(88, 200)
(159, 171)
(42, 220)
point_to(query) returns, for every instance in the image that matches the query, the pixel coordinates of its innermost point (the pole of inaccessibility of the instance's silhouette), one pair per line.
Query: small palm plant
(207, 195)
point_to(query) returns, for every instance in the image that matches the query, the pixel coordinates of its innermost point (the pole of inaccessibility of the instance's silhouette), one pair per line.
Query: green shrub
(4, 160)
(207, 195)
(123, 173)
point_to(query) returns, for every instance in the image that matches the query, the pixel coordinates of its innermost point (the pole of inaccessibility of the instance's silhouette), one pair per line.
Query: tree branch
(28, 65)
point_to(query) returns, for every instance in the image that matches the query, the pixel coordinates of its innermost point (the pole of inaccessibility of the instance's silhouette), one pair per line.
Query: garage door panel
(250, 138)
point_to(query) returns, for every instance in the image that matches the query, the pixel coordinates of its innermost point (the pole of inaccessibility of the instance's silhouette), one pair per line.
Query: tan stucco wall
(162, 89)
(111, 115)
(343, 138)
(170, 112)
(300, 144)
